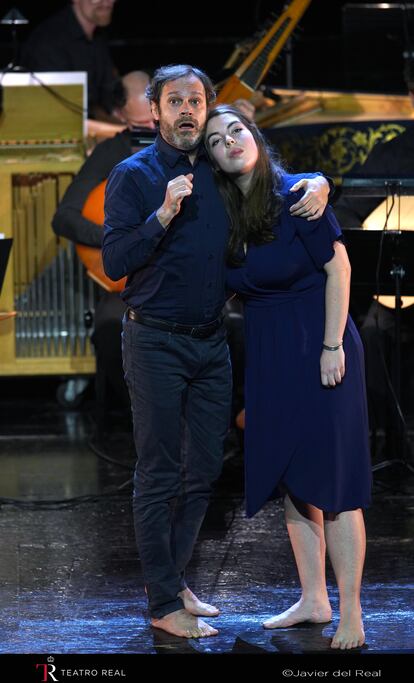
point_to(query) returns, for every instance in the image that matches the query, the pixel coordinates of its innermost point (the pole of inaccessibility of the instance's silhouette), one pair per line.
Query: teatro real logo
(47, 670)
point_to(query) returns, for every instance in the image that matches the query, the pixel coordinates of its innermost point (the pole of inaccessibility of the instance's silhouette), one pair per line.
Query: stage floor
(70, 575)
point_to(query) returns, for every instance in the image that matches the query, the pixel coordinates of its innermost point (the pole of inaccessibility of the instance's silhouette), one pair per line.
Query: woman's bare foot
(317, 612)
(182, 623)
(193, 605)
(350, 632)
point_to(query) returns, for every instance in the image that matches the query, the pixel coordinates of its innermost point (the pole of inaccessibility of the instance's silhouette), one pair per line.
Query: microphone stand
(399, 426)
(397, 272)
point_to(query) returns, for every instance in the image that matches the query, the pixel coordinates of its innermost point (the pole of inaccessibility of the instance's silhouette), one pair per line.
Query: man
(73, 40)
(166, 228)
(131, 107)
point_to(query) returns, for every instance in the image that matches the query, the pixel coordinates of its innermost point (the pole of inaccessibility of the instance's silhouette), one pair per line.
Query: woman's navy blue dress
(299, 435)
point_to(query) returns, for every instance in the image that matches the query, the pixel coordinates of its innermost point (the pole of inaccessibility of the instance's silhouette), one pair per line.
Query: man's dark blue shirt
(176, 274)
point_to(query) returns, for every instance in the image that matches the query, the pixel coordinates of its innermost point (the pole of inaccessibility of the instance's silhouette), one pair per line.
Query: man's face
(182, 112)
(98, 12)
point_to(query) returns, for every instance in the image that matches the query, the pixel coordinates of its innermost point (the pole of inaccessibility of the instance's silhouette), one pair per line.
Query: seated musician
(389, 160)
(130, 107)
(74, 39)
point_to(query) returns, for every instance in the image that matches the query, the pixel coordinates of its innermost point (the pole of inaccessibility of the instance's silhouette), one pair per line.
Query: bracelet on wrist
(332, 348)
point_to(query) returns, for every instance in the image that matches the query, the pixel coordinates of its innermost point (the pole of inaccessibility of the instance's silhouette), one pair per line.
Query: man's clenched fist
(177, 189)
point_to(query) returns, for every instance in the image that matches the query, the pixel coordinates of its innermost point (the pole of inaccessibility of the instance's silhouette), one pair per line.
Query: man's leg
(207, 413)
(156, 384)
(156, 371)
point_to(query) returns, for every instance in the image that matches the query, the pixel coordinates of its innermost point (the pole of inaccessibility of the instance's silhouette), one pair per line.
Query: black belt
(197, 331)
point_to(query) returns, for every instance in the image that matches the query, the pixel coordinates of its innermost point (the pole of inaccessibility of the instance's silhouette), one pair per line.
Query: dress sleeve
(318, 236)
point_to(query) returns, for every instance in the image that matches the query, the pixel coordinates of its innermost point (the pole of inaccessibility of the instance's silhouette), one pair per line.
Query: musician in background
(130, 106)
(389, 160)
(73, 39)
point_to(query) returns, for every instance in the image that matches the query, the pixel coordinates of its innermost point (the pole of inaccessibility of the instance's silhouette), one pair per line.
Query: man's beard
(181, 139)
(102, 19)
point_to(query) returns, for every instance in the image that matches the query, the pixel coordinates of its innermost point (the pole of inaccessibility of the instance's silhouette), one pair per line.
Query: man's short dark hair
(171, 73)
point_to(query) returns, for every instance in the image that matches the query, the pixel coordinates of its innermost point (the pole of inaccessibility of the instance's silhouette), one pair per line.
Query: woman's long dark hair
(253, 215)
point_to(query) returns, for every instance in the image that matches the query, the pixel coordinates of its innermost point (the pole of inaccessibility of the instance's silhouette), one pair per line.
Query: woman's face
(231, 145)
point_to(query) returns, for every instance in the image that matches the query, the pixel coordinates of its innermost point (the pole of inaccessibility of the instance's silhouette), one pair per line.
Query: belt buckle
(194, 332)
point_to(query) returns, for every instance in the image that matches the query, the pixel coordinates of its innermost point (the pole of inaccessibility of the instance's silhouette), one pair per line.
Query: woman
(306, 432)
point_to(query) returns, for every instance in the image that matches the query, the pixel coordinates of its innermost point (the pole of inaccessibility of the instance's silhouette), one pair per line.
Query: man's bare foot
(350, 632)
(316, 612)
(182, 623)
(193, 605)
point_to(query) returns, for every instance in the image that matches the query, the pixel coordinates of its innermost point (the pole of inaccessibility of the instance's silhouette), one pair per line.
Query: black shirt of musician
(60, 44)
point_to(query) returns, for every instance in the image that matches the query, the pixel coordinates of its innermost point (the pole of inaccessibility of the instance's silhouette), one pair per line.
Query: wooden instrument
(255, 66)
(91, 257)
(241, 418)
(46, 292)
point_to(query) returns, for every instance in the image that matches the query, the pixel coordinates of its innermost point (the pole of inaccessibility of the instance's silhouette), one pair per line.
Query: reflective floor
(70, 578)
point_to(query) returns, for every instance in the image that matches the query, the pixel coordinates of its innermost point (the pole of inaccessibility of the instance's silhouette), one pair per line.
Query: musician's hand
(246, 108)
(332, 367)
(177, 189)
(312, 205)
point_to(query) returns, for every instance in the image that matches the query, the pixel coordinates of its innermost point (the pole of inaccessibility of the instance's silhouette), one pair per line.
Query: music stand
(377, 187)
(392, 273)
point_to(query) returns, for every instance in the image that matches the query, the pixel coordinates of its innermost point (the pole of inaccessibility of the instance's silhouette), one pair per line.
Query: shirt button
(210, 284)
(210, 257)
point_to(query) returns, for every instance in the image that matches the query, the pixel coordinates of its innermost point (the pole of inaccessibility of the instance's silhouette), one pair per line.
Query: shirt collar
(172, 155)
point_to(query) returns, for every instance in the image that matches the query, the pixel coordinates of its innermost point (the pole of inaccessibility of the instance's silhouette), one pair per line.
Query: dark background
(338, 45)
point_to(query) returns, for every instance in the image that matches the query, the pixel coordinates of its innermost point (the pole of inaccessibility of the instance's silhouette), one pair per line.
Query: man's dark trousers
(179, 386)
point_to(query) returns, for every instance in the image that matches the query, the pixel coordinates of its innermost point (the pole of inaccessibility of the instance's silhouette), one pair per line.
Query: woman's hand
(332, 367)
(312, 205)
